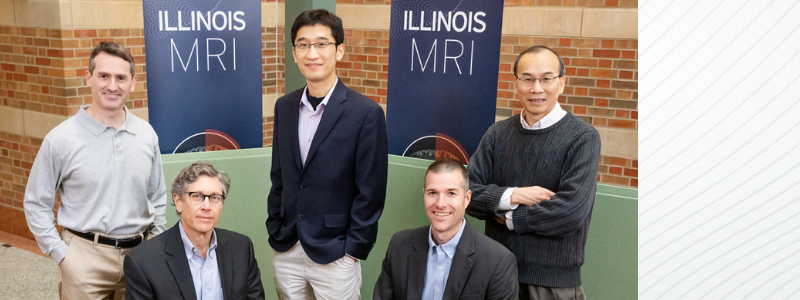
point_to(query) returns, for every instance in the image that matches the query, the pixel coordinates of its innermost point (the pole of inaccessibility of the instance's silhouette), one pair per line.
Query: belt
(128, 242)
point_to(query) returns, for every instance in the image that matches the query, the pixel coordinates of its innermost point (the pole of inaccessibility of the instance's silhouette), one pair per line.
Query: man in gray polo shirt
(106, 165)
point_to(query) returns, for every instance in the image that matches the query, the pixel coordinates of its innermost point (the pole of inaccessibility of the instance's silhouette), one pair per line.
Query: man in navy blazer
(329, 168)
(448, 259)
(194, 259)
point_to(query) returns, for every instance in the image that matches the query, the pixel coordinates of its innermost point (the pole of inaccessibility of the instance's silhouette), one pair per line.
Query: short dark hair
(444, 166)
(114, 49)
(537, 49)
(323, 17)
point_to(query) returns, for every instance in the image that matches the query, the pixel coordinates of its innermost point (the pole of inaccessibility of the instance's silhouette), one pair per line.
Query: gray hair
(190, 174)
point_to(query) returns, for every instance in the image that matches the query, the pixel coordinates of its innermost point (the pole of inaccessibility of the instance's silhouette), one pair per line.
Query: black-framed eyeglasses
(306, 46)
(544, 81)
(198, 198)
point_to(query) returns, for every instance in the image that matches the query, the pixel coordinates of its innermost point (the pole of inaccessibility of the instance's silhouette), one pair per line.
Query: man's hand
(61, 262)
(501, 220)
(530, 196)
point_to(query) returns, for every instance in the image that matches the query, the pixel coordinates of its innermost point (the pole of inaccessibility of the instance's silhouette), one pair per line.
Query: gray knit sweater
(548, 238)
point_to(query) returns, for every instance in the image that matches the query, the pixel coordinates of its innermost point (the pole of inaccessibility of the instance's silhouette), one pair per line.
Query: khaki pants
(297, 277)
(535, 292)
(91, 270)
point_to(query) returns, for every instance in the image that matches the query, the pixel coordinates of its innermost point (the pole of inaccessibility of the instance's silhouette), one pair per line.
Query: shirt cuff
(505, 201)
(510, 219)
(60, 252)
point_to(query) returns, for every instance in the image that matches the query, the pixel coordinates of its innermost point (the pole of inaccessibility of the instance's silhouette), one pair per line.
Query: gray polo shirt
(111, 181)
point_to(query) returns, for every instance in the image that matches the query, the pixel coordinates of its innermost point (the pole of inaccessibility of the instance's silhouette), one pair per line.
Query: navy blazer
(333, 202)
(158, 268)
(482, 268)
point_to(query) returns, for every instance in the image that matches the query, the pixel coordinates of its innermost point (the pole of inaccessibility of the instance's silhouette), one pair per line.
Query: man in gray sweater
(534, 178)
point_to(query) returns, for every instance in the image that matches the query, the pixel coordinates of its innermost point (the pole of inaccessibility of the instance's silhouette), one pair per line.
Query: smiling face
(317, 65)
(445, 203)
(199, 218)
(111, 82)
(538, 100)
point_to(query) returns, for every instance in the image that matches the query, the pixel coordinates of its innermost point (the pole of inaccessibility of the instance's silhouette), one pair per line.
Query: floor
(25, 273)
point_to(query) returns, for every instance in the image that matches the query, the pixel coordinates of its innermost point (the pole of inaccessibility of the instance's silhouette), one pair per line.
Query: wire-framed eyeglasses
(544, 81)
(306, 46)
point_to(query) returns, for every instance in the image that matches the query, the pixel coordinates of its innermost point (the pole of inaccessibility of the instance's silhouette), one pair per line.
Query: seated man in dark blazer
(194, 259)
(448, 259)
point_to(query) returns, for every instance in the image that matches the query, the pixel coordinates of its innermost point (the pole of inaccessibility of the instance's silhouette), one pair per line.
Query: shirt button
(440, 268)
(300, 217)
(308, 141)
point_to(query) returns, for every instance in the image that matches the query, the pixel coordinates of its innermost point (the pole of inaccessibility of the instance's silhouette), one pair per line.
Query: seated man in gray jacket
(448, 259)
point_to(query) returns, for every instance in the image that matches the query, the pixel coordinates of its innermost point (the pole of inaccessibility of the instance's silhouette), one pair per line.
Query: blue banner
(204, 73)
(443, 65)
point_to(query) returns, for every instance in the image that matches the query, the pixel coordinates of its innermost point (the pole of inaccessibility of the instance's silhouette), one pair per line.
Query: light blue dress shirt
(205, 272)
(440, 259)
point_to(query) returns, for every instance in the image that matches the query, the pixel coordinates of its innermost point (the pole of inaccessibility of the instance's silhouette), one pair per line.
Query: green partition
(609, 271)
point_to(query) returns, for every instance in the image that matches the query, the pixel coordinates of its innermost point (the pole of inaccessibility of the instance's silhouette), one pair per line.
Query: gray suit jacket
(482, 268)
(158, 269)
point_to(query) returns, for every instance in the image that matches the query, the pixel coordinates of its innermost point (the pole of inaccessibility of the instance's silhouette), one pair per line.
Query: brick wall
(365, 65)
(45, 68)
(273, 73)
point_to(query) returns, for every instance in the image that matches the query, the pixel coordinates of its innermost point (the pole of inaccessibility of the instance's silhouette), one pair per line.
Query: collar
(449, 248)
(548, 120)
(96, 128)
(190, 249)
(304, 98)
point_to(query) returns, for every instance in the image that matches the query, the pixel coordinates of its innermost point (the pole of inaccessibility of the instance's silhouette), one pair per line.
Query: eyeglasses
(198, 198)
(544, 81)
(320, 45)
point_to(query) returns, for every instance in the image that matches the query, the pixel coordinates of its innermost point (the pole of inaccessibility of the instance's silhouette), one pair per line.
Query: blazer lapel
(417, 261)
(294, 120)
(462, 264)
(331, 115)
(178, 265)
(224, 263)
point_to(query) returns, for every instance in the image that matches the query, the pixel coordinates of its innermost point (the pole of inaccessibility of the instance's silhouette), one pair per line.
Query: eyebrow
(545, 73)
(302, 39)
(107, 73)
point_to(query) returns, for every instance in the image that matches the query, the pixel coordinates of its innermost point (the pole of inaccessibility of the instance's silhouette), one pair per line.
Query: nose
(312, 52)
(113, 85)
(206, 204)
(537, 86)
(441, 202)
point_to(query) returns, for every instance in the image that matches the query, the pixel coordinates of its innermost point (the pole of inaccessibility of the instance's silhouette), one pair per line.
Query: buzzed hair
(445, 166)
